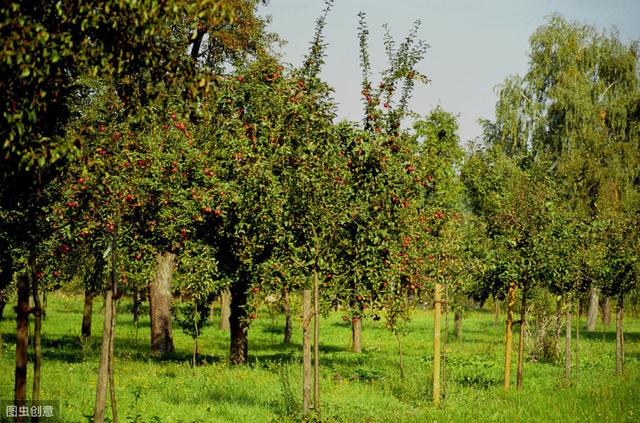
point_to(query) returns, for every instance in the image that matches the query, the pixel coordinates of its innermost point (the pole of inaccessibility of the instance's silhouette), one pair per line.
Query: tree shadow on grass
(75, 349)
(609, 335)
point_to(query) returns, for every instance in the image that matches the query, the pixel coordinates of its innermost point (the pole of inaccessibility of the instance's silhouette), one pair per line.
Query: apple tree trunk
(287, 317)
(567, 341)
(511, 299)
(620, 336)
(457, 324)
(592, 311)
(87, 313)
(225, 309)
(160, 299)
(238, 327)
(37, 328)
(356, 334)
(437, 315)
(606, 311)
(523, 326)
(306, 350)
(22, 339)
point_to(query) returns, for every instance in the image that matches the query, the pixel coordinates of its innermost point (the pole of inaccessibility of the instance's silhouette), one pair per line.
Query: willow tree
(577, 106)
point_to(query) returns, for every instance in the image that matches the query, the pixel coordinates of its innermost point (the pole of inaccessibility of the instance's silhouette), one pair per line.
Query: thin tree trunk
(457, 324)
(160, 299)
(567, 341)
(103, 370)
(2, 305)
(511, 298)
(87, 314)
(356, 334)
(287, 317)
(523, 311)
(37, 328)
(195, 340)
(437, 310)
(137, 302)
(401, 356)
(306, 350)
(496, 311)
(91, 285)
(592, 313)
(239, 345)
(112, 336)
(606, 312)
(225, 309)
(316, 340)
(577, 340)
(620, 336)
(445, 338)
(22, 339)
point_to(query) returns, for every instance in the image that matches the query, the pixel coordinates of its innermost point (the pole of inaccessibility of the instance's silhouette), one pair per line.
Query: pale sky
(475, 44)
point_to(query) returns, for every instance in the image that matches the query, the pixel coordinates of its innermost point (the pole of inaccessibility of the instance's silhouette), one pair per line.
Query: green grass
(354, 387)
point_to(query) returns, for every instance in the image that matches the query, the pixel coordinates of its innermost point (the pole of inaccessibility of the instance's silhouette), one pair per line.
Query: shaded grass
(354, 387)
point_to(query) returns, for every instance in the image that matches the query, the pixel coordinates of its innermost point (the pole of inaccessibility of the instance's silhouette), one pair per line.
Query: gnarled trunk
(160, 299)
(592, 313)
(238, 327)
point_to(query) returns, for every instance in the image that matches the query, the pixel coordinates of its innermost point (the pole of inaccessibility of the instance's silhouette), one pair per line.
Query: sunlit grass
(354, 387)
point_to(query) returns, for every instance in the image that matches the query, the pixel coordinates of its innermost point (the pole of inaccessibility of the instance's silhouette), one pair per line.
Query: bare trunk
(401, 356)
(437, 314)
(620, 336)
(160, 299)
(511, 298)
(567, 341)
(496, 311)
(457, 324)
(22, 340)
(287, 317)
(194, 358)
(37, 328)
(306, 350)
(523, 311)
(606, 312)
(137, 302)
(225, 309)
(103, 370)
(316, 340)
(87, 314)
(239, 345)
(356, 334)
(577, 339)
(592, 312)
(112, 336)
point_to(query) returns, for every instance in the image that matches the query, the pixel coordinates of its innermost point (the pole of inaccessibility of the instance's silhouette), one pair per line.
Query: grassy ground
(354, 387)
